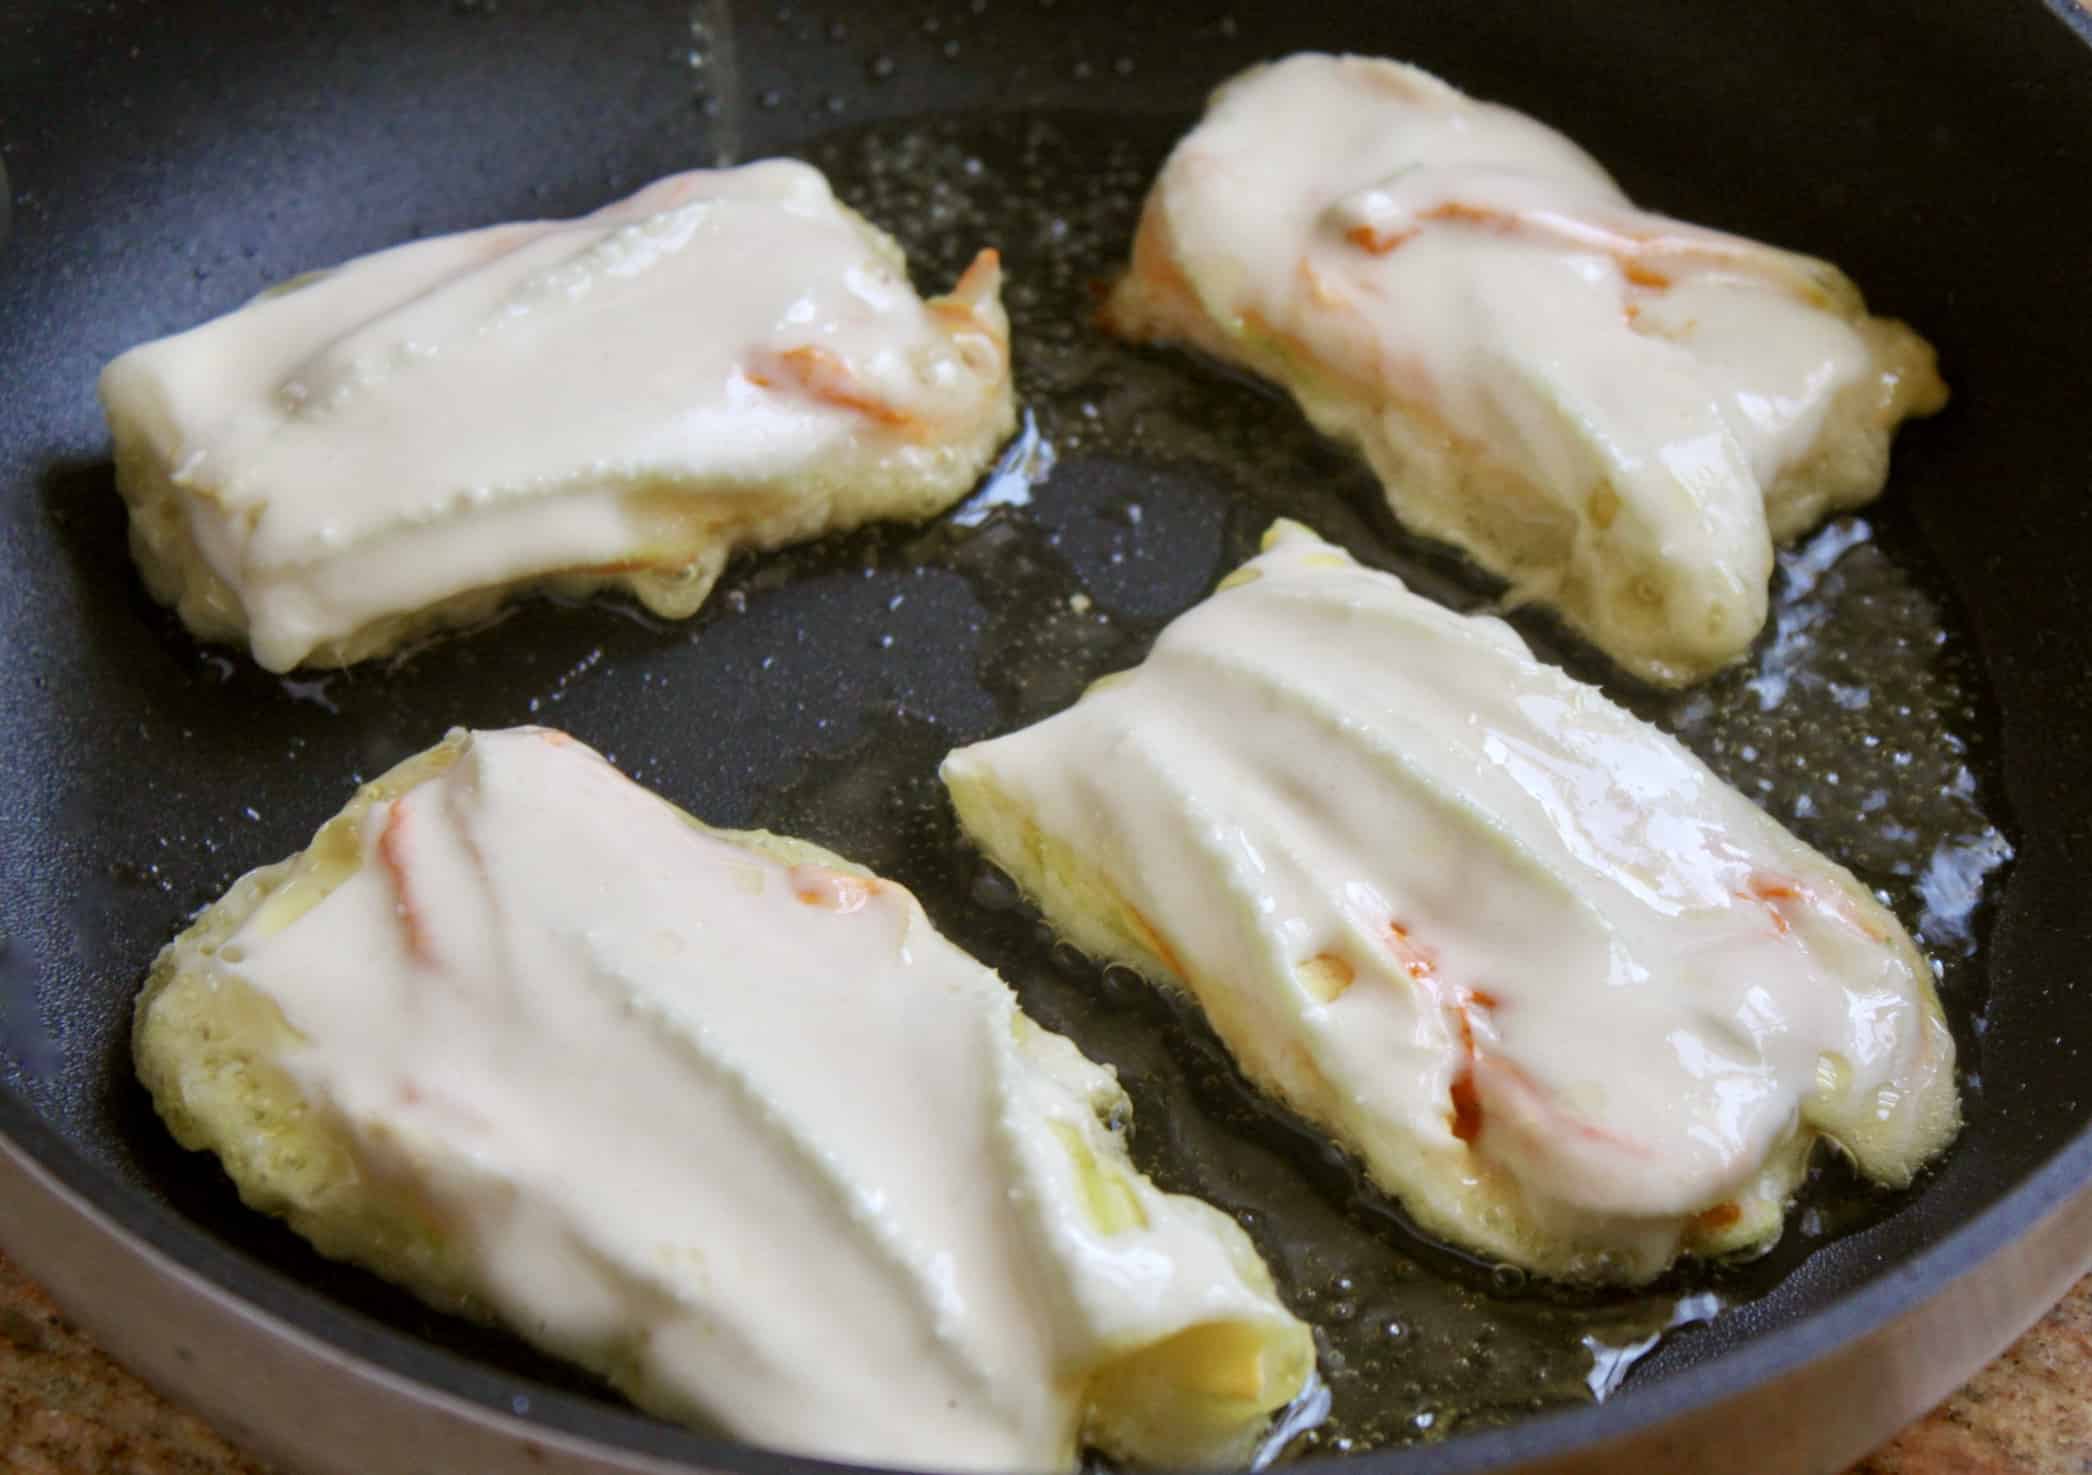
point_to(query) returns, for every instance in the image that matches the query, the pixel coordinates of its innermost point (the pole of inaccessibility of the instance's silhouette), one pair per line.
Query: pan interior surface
(1919, 710)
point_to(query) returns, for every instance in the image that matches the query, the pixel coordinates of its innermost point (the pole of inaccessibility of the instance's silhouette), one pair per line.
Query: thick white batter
(727, 359)
(1617, 412)
(1573, 999)
(720, 1116)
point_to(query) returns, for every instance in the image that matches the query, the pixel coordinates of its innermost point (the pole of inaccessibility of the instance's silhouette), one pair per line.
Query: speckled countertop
(67, 1409)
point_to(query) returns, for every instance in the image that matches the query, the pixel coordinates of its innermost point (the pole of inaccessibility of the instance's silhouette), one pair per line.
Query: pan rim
(289, 1309)
(2076, 14)
(286, 1307)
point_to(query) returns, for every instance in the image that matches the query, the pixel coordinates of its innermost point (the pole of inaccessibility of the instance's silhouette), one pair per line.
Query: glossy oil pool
(1856, 722)
(819, 689)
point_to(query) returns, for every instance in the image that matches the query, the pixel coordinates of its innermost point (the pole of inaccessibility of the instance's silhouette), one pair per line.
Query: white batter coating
(1616, 412)
(721, 1116)
(726, 360)
(1578, 1003)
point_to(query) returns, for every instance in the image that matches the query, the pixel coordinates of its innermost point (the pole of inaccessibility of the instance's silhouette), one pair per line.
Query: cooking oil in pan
(1857, 723)
(1140, 479)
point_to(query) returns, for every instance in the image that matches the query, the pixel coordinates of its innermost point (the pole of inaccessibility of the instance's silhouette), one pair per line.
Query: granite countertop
(67, 1409)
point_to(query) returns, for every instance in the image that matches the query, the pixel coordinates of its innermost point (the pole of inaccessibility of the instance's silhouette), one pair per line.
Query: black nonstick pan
(1922, 708)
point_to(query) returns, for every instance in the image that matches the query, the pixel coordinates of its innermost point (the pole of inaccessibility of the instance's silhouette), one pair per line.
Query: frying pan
(168, 160)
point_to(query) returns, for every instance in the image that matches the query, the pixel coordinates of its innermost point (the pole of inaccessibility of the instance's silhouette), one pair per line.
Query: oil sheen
(1855, 722)
(847, 669)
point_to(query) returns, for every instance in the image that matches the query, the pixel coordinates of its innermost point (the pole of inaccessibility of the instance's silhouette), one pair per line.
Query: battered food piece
(727, 360)
(1616, 412)
(718, 1115)
(1577, 1003)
